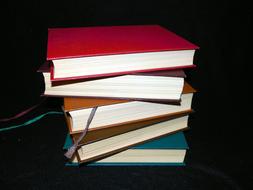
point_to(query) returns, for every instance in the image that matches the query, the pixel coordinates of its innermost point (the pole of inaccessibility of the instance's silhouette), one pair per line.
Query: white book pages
(96, 65)
(127, 86)
(126, 112)
(111, 144)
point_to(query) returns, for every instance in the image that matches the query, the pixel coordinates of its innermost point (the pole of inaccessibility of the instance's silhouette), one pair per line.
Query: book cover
(107, 40)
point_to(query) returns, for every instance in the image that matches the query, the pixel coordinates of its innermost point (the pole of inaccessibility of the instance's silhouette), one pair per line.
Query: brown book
(106, 127)
(109, 131)
(73, 103)
(109, 146)
(125, 113)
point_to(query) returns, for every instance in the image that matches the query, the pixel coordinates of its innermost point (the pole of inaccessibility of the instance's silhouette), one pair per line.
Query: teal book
(169, 150)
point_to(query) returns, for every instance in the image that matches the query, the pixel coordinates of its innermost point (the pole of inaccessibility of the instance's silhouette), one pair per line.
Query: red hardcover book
(91, 52)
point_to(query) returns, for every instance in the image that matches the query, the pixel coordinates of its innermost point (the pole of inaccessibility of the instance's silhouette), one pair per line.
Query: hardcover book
(136, 87)
(112, 145)
(123, 88)
(118, 115)
(74, 103)
(101, 133)
(91, 52)
(167, 150)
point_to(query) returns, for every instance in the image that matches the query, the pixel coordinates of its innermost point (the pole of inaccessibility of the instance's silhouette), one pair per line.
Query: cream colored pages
(144, 156)
(126, 112)
(74, 67)
(101, 147)
(127, 86)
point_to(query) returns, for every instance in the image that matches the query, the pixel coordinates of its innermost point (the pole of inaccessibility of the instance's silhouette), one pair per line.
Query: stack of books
(126, 99)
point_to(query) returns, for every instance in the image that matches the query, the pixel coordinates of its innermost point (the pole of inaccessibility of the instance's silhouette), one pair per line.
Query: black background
(219, 136)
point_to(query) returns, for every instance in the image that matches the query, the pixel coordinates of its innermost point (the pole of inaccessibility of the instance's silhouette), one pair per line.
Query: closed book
(45, 68)
(109, 146)
(101, 133)
(149, 86)
(91, 52)
(132, 87)
(73, 103)
(167, 150)
(118, 115)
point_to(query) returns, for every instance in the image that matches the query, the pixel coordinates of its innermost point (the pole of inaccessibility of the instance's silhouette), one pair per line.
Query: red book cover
(67, 43)
(108, 40)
